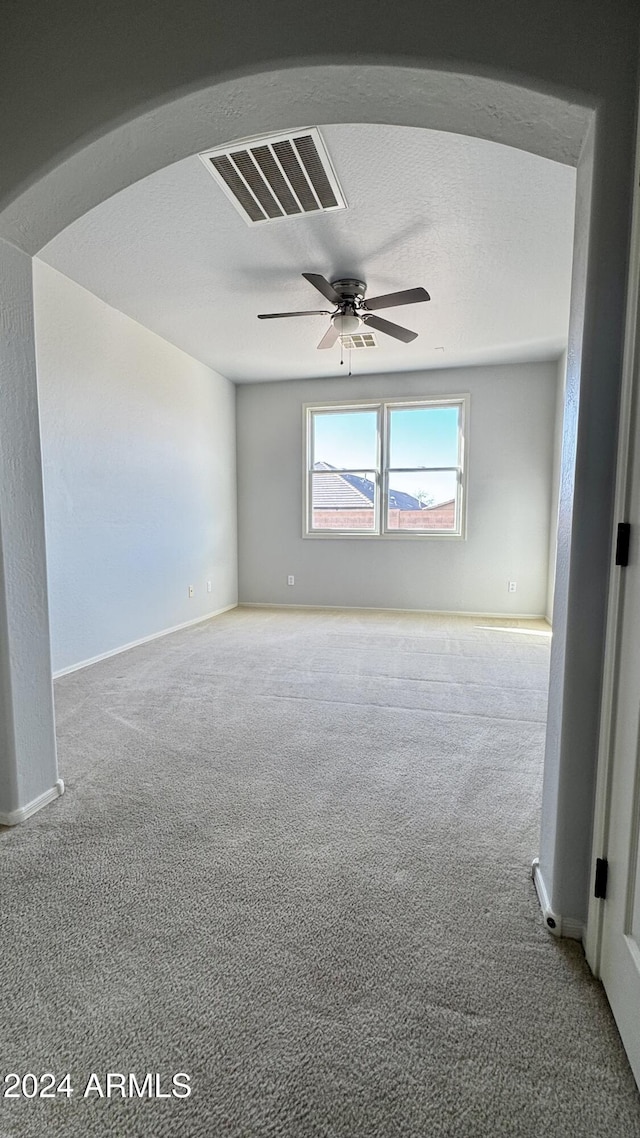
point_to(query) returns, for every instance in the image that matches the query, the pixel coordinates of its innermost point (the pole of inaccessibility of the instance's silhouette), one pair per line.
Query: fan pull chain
(349, 361)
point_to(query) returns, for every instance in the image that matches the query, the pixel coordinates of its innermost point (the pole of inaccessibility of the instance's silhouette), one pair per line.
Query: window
(385, 468)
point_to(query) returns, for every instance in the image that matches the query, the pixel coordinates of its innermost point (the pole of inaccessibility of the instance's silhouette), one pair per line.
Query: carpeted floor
(293, 862)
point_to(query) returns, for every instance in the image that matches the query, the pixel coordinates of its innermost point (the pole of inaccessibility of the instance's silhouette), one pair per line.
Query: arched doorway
(241, 107)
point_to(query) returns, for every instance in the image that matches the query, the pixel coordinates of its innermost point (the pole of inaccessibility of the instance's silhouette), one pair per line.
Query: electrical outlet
(512, 586)
(291, 579)
(209, 586)
(191, 590)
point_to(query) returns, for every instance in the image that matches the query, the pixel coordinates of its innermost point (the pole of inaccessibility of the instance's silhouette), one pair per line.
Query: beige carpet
(293, 861)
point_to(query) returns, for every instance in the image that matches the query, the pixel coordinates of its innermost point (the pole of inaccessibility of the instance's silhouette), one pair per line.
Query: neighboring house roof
(340, 491)
(401, 501)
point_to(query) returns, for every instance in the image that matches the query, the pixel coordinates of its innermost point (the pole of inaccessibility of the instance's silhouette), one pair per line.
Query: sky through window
(419, 436)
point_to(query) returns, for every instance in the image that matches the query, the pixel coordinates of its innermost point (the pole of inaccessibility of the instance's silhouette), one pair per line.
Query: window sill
(385, 536)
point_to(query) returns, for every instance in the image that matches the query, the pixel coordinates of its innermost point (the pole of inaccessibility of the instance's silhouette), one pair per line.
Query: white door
(620, 956)
(617, 818)
(620, 960)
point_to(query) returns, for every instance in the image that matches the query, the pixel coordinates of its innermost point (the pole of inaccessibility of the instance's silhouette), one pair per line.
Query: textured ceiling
(486, 229)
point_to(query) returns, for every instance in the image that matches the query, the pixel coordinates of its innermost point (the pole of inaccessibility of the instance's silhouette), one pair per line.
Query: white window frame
(383, 409)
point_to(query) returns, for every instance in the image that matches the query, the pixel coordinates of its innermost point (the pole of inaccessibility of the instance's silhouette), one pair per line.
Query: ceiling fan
(352, 310)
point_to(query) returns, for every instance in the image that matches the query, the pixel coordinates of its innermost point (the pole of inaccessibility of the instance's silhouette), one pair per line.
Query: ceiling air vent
(359, 340)
(271, 178)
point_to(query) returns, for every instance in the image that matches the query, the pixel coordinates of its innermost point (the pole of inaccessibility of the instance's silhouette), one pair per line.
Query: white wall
(138, 444)
(510, 464)
(555, 481)
(26, 692)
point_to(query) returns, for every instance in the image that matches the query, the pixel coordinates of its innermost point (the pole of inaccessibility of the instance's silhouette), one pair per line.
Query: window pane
(422, 501)
(423, 436)
(343, 501)
(346, 440)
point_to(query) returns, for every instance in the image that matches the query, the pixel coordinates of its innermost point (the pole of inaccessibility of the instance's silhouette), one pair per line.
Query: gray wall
(510, 465)
(138, 444)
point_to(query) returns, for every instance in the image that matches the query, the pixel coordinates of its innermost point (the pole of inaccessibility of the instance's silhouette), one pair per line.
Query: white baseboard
(380, 608)
(142, 640)
(555, 923)
(24, 812)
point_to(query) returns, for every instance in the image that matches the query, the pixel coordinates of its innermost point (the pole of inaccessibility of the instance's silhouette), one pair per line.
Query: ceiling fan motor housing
(350, 290)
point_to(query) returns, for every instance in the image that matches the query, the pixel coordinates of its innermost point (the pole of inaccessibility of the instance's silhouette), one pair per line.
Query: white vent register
(285, 175)
(359, 340)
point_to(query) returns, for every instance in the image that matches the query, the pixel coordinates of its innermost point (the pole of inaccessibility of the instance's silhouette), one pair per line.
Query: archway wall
(72, 71)
(96, 98)
(28, 773)
(284, 99)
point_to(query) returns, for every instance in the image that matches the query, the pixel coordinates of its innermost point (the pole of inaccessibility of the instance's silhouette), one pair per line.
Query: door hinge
(622, 543)
(600, 883)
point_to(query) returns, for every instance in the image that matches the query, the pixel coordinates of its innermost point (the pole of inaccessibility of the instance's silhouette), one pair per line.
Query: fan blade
(330, 337)
(391, 299)
(323, 286)
(278, 315)
(389, 329)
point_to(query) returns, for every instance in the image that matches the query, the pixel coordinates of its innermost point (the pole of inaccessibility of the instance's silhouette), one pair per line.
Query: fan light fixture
(345, 323)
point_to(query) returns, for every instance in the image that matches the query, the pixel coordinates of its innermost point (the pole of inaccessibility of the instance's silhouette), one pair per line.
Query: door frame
(629, 394)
